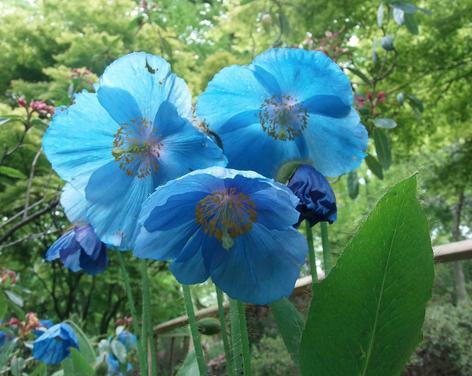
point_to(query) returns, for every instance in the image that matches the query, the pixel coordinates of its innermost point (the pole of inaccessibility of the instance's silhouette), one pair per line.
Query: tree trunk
(459, 278)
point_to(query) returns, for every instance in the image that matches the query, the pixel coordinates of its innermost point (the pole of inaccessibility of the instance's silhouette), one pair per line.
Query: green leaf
(405, 7)
(366, 316)
(411, 23)
(385, 123)
(17, 366)
(3, 305)
(382, 148)
(374, 166)
(284, 24)
(76, 365)
(40, 370)
(290, 324)
(415, 103)
(189, 366)
(11, 172)
(352, 185)
(14, 298)
(85, 346)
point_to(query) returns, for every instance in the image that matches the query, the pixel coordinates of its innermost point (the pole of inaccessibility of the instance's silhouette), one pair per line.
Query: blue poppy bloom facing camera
(54, 345)
(117, 145)
(289, 104)
(232, 226)
(317, 199)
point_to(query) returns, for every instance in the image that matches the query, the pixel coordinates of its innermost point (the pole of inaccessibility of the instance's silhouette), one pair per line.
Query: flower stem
(224, 334)
(325, 244)
(147, 322)
(244, 339)
(311, 252)
(132, 308)
(194, 331)
(236, 342)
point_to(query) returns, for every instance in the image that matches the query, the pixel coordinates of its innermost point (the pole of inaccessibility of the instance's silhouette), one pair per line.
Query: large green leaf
(382, 148)
(366, 316)
(189, 366)
(77, 365)
(290, 324)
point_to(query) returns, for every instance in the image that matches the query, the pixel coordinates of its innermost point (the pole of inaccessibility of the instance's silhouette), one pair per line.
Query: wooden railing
(444, 253)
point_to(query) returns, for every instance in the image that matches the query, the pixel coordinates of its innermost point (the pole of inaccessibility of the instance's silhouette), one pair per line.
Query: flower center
(225, 215)
(283, 118)
(136, 148)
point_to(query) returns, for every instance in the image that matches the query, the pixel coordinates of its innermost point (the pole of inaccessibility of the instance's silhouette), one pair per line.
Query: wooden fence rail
(444, 253)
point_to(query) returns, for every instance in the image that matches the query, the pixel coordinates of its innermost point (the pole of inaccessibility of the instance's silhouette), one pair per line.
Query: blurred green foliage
(52, 49)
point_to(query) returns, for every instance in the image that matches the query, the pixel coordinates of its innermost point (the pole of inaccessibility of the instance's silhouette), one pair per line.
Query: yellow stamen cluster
(283, 118)
(226, 215)
(135, 152)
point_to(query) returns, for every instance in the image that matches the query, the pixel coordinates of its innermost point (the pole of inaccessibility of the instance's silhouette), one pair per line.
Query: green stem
(311, 252)
(224, 334)
(237, 346)
(194, 331)
(147, 321)
(325, 243)
(244, 339)
(132, 308)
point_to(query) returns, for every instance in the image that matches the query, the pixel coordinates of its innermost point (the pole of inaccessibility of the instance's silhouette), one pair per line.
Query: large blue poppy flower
(54, 345)
(289, 104)
(232, 226)
(119, 144)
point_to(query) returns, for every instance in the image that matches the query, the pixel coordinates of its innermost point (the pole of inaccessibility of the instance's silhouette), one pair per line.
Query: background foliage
(421, 82)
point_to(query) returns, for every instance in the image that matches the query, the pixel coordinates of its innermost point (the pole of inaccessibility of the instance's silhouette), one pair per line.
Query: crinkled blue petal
(88, 240)
(262, 266)
(80, 138)
(336, 146)
(302, 74)
(70, 258)
(66, 241)
(149, 80)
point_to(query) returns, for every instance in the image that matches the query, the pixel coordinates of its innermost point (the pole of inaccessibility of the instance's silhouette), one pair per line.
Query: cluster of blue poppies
(195, 187)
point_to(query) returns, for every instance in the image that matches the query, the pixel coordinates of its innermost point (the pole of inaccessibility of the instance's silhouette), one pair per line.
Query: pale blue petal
(275, 208)
(80, 138)
(302, 74)
(120, 104)
(74, 204)
(336, 146)
(133, 73)
(66, 241)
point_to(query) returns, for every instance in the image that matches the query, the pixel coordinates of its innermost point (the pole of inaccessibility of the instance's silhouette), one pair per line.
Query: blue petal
(80, 139)
(54, 344)
(336, 146)
(302, 74)
(70, 258)
(191, 269)
(163, 245)
(66, 241)
(74, 204)
(184, 148)
(133, 73)
(327, 105)
(88, 240)
(262, 266)
(120, 104)
(97, 265)
(233, 90)
(115, 202)
(261, 152)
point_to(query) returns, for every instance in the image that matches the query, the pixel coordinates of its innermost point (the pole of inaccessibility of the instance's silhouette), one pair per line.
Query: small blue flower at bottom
(80, 249)
(317, 199)
(233, 226)
(54, 345)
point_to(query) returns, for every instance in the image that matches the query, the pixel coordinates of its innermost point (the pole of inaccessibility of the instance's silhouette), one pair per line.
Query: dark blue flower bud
(317, 199)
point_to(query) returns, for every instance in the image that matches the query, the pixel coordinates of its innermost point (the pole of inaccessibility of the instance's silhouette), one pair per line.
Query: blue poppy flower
(317, 199)
(54, 345)
(128, 339)
(232, 226)
(118, 144)
(44, 325)
(289, 104)
(80, 249)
